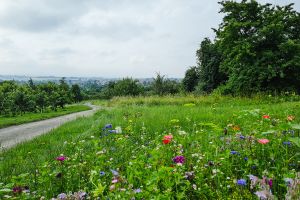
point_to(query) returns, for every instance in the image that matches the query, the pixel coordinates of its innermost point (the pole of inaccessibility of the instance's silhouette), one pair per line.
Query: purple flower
(17, 189)
(246, 158)
(114, 172)
(242, 137)
(137, 190)
(61, 158)
(241, 182)
(270, 182)
(62, 196)
(179, 159)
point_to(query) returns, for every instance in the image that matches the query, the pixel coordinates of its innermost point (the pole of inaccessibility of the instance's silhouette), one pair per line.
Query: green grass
(6, 121)
(144, 162)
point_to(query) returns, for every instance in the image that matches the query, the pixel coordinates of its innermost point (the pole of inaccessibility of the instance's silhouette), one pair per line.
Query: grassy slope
(156, 120)
(31, 117)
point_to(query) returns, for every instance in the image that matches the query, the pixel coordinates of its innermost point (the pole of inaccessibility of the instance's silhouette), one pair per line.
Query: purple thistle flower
(179, 159)
(241, 182)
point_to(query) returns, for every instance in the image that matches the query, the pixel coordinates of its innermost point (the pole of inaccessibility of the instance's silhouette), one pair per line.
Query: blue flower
(241, 182)
(287, 143)
(114, 172)
(102, 173)
(107, 126)
(242, 137)
(246, 158)
(234, 152)
(112, 131)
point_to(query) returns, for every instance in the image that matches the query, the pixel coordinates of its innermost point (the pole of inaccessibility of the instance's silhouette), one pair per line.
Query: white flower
(118, 129)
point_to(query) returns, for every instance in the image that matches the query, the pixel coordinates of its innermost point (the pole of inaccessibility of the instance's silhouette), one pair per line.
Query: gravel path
(10, 136)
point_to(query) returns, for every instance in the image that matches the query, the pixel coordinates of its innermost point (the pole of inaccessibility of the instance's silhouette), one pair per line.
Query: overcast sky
(105, 38)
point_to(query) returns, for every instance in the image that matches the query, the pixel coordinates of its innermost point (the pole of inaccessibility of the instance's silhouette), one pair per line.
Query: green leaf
(296, 141)
(296, 126)
(5, 190)
(268, 132)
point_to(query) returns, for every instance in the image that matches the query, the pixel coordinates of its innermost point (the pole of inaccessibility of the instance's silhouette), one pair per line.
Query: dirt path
(10, 136)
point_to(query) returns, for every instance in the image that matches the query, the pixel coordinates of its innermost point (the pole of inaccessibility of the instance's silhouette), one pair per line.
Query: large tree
(260, 46)
(209, 58)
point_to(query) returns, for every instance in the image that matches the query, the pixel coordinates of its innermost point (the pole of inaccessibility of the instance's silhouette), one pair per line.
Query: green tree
(191, 79)
(260, 46)
(208, 60)
(128, 87)
(76, 93)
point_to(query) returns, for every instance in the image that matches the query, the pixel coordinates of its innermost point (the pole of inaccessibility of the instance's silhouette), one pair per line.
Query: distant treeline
(256, 49)
(20, 98)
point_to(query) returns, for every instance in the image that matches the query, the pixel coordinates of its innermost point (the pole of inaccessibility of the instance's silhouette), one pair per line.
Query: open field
(31, 117)
(169, 148)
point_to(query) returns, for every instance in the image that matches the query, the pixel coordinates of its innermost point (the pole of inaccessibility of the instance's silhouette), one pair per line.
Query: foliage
(209, 58)
(256, 49)
(260, 46)
(191, 79)
(162, 86)
(17, 99)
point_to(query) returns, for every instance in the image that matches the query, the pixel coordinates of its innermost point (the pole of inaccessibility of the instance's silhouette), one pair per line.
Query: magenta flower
(61, 158)
(179, 159)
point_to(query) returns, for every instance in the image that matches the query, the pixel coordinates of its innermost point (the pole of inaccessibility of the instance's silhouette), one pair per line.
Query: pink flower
(263, 141)
(290, 118)
(61, 158)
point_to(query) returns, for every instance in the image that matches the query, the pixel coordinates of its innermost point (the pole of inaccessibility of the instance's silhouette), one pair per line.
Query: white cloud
(104, 38)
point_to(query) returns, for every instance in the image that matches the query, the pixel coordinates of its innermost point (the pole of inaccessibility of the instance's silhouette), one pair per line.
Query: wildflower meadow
(185, 148)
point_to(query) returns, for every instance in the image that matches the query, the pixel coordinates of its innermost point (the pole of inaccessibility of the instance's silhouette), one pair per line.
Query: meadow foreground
(164, 148)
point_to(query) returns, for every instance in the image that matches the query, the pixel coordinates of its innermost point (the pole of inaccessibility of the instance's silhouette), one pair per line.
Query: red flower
(263, 141)
(167, 139)
(266, 116)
